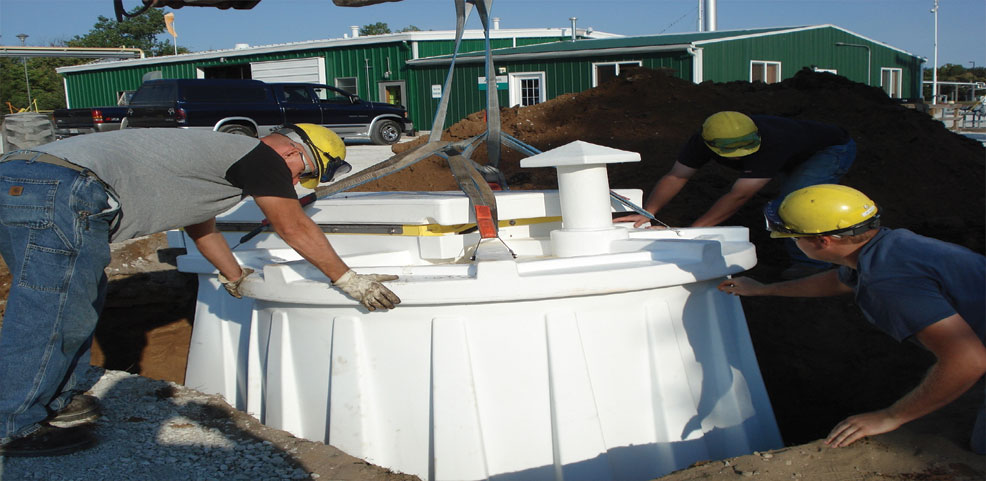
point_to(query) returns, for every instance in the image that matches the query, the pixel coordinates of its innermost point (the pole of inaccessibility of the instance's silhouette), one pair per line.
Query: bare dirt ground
(820, 359)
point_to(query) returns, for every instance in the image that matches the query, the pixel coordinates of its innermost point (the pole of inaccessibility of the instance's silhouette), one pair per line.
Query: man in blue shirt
(909, 286)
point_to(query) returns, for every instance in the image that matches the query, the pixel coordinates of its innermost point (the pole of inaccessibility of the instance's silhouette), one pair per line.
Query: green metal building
(532, 65)
(373, 67)
(533, 74)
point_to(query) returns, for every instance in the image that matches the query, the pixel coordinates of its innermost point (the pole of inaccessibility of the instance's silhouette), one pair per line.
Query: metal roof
(643, 43)
(418, 36)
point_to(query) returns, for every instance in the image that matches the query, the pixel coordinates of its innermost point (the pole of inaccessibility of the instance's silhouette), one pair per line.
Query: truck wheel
(26, 130)
(238, 130)
(387, 132)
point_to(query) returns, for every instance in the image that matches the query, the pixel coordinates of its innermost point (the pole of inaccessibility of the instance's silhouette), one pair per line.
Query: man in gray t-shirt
(61, 204)
(910, 286)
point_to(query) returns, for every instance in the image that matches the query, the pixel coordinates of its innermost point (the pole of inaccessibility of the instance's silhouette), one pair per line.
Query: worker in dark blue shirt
(760, 148)
(909, 286)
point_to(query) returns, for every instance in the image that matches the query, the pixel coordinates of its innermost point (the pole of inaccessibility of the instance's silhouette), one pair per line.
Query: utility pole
(27, 81)
(934, 73)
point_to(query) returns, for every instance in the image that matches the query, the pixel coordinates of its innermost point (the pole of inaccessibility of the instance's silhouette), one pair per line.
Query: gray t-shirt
(163, 178)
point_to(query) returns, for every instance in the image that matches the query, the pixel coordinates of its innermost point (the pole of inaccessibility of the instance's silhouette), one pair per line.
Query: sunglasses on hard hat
(733, 144)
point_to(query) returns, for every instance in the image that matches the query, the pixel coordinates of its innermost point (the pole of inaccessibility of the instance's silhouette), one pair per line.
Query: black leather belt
(43, 157)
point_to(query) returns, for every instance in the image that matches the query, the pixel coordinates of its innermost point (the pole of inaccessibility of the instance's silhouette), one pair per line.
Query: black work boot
(83, 407)
(50, 441)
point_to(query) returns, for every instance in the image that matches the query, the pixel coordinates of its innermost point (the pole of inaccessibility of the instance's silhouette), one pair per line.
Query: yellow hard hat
(321, 145)
(731, 134)
(824, 209)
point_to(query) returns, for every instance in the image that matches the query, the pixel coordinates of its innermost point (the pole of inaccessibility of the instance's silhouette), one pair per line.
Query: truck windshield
(152, 94)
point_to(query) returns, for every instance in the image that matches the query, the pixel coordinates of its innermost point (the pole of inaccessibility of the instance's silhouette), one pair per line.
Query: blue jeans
(827, 166)
(54, 237)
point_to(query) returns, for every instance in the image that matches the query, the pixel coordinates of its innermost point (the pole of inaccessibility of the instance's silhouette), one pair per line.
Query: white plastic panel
(624, 387)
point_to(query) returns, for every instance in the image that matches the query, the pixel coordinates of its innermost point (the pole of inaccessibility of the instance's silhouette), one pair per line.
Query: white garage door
(294, 70)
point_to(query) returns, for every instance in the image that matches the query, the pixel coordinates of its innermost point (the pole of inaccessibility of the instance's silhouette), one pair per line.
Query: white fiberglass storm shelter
(570, 348)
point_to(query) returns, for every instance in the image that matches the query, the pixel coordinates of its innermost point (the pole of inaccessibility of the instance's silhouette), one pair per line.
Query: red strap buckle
(484, 221)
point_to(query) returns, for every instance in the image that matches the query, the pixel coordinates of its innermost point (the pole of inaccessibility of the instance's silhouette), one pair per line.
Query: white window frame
(765, 63)
(354, 80)
(514, 86)
(825, 70)
(896, 90)
(595, 68)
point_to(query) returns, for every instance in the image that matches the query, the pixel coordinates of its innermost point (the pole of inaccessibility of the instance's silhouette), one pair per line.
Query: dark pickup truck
(69, 122)
(255, 108)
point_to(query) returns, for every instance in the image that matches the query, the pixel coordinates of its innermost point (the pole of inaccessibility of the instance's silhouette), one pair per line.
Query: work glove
(233, 287)
(368, 290)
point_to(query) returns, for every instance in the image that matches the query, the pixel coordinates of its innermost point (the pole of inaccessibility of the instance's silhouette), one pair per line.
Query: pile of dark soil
(820, 359)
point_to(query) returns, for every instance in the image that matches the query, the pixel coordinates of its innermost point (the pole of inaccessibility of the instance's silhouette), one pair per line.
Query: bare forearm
(309, 241)
(819, 285)
(823, 284)
(211, 243)
(961, 361)
(662, 193)
(723, 209)
(944, 382)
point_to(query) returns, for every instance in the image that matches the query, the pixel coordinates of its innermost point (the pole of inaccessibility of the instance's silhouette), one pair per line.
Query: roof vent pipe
(355, 30)
(707, 16)
(573, 19)
(496, 23)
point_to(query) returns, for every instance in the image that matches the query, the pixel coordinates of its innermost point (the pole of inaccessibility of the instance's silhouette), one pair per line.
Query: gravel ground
(161, 431)
(153, 430)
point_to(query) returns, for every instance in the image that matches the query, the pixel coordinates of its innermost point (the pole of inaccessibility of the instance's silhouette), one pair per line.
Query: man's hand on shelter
(638, 221)
(368, 290)
(233, 287)
(741, 286)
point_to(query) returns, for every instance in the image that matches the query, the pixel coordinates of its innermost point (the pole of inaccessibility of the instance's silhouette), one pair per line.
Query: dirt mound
(811, 351)
(925, 177)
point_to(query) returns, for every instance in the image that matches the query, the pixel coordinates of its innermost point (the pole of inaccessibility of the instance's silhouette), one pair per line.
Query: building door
(890, 79)
(394, 93)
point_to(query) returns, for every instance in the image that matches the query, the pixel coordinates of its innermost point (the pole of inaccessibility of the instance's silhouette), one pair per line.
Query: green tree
(141, 32)
(47, 89)
(410, 28)
(956, 73)
(379, 28)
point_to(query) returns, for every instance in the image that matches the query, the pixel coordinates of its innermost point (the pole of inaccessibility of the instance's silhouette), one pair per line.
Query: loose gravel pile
(155, 430)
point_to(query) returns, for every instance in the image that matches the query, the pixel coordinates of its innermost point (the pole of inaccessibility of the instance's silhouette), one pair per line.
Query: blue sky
(905, 24)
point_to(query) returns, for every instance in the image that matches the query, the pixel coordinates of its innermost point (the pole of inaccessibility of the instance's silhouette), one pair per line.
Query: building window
(766, 72)
(526, 89)
(348, 84)
(890, 79)
(603, 72)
